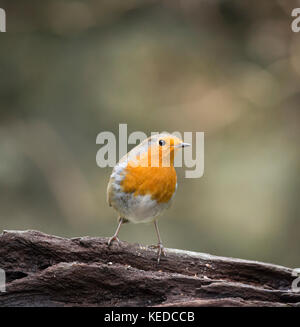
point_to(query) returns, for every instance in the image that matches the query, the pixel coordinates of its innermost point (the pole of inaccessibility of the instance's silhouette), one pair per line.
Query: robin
(143, 183)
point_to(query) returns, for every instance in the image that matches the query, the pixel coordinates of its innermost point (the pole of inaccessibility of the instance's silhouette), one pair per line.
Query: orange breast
(159, 182)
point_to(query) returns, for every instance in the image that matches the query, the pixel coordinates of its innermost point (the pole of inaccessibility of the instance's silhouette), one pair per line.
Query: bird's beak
(182, 145)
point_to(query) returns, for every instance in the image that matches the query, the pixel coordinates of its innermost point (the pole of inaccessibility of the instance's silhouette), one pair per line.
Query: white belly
(137, 209)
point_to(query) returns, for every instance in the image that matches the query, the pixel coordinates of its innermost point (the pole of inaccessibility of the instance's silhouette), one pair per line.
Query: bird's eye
(161, 142)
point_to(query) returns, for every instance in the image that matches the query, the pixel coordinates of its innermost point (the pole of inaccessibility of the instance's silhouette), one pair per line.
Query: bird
(144, 182)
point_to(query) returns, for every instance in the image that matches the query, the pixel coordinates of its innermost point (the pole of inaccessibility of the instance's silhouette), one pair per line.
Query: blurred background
(72, 69)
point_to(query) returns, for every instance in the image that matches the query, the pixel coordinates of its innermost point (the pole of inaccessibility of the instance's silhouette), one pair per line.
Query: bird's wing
(109, 192)
(122, 163)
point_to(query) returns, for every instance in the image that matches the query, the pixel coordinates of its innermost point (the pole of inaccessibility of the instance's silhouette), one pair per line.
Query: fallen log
(45, 270)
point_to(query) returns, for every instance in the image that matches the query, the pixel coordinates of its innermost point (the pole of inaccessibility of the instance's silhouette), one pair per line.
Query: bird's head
(158, 150)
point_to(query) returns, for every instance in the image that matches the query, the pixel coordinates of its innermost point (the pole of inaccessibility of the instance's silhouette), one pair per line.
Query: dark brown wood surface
(45, 270)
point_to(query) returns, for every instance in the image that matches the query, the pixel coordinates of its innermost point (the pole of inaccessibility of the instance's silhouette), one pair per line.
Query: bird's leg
(159, 246)
(115, 236)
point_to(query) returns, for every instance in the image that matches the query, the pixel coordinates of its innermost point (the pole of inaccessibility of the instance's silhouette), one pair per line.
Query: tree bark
(45, 270)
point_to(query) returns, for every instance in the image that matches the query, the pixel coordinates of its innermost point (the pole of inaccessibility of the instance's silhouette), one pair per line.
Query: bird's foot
(160, 250)
(112, 239)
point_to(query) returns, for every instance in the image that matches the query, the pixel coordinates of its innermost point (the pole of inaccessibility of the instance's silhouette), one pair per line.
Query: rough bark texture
(44, 270)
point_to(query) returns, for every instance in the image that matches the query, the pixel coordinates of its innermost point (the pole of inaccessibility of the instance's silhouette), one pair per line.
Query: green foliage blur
(72, 69)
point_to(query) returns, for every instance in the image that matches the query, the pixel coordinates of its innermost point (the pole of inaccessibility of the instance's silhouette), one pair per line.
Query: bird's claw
(160, 250)
(112, 239)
